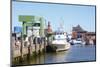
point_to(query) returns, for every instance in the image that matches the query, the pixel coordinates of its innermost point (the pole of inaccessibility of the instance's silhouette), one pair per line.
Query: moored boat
(60, 42)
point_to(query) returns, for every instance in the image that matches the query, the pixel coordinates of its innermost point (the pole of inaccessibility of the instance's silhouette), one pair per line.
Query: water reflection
(74, 54)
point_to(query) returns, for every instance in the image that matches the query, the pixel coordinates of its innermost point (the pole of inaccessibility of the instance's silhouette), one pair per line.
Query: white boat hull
(63, 49)
(61, 45)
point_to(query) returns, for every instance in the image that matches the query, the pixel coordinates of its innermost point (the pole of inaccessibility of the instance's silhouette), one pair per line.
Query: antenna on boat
(61, 25)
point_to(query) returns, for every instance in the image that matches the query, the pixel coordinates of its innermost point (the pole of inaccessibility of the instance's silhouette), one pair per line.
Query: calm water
(74, 54)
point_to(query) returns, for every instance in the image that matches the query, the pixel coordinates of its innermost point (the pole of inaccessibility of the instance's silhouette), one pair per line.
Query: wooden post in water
(22, 39)
(21, 49)
(45, 43)
(35, 45)
(30, 46)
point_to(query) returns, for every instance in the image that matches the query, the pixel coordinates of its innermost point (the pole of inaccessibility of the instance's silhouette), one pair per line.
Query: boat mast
(61, 25)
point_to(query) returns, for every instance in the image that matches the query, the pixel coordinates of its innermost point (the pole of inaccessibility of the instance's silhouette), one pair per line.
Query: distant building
(91, 36)
(49, 33)
(49, 30)
(17, 29)
(78, 32)
(78, 28)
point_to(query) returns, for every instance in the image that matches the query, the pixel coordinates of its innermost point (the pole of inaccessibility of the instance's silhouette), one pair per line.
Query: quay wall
(20, 50)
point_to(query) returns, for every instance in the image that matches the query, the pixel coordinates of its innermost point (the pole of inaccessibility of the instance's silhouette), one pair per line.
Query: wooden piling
(33, 50)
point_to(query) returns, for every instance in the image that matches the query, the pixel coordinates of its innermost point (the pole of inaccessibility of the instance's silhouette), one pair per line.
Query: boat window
(36, 24)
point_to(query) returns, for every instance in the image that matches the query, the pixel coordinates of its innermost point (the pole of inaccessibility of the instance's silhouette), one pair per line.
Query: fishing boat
(60, 41)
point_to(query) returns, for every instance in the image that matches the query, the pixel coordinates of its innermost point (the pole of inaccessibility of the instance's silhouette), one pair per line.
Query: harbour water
(76, 53)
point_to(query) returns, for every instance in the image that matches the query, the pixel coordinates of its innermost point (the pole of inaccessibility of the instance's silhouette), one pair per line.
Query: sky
(67, 15)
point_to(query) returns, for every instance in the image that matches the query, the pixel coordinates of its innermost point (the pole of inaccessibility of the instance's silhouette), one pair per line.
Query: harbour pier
(28, 50)
(30, 41)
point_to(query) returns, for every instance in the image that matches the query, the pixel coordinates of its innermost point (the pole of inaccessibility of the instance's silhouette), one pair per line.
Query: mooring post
(35, 45)
(22, 43)
(21, 49)
(45, 44)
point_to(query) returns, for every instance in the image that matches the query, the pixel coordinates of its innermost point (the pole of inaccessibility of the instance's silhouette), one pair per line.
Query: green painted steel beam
(29, 24)
(28, 18)
(42, 20)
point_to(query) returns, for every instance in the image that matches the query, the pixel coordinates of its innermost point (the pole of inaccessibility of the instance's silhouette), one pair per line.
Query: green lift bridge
(31, 21)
